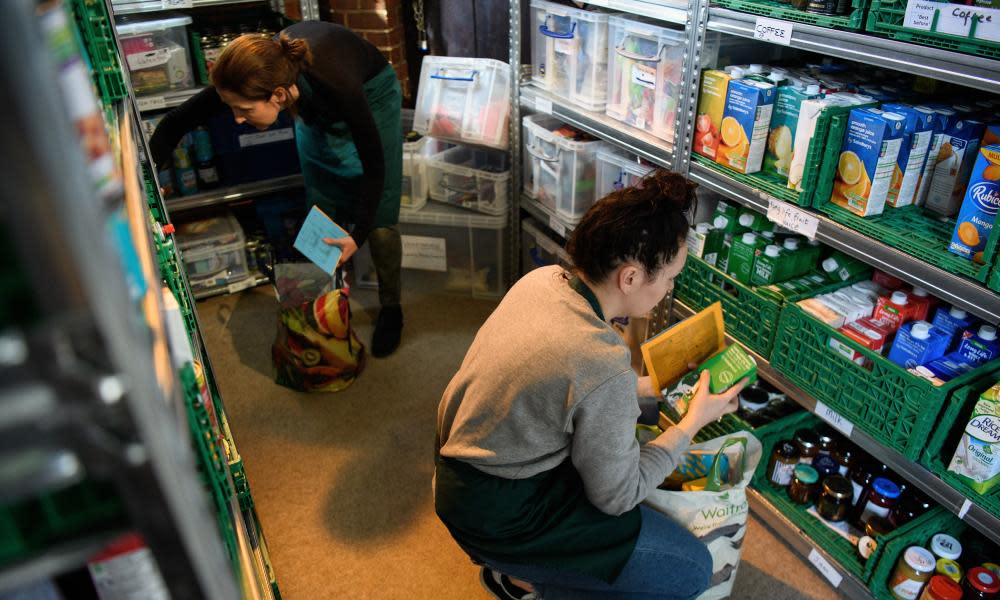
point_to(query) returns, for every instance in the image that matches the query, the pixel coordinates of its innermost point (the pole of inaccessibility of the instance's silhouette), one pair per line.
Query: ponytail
(254, 66)
(295, 50)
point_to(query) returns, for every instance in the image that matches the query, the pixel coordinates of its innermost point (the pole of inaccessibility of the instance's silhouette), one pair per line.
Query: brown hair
(254, 66)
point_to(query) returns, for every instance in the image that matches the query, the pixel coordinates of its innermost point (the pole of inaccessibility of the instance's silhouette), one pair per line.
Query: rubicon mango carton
(953, 165)
(711, 104)
(867, 159)
(917, 134)
(979, 208)
(992, 135)
(944, 117)
(784, 119)
(745, 123)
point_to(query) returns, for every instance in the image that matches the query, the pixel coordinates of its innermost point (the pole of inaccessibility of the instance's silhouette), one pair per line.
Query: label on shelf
(953, 19)
(171, 4)
(266, 137)
(145, 60)
(243, 284)
(150, 103)
(773, 30)
(823, 566)
(792, 218)
(965, 508)
(834, 418)
(425, 253)
(543, 105)
(557, 227)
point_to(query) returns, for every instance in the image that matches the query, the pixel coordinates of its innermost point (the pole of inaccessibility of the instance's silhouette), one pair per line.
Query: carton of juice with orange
(979, 207)
(745, 123)
(867, 159)
(711, 105)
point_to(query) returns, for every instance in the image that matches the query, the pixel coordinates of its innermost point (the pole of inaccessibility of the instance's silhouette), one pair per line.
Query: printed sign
(823, 566)
(150, 103)
(266, 137)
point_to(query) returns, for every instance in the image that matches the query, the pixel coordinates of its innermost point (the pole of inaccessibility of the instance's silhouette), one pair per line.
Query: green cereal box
(726, 368)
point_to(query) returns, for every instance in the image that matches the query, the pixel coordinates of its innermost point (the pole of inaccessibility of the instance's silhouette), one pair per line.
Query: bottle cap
(168, 229)
(950, 569)
(768, 234)
(866, 545)
(983, 580)
(943, 588)
(746, 220)
(703, 228)
(720, 222)
(772, 251)
(885, 488)
(946, 546)
(736, 72)
(899, 298)
(921, 330)
(957, 312)
(919, 292)
(812, 89)
(749, 237)
(791, 244)
(988, 332)
(830, 265)
(756, 69)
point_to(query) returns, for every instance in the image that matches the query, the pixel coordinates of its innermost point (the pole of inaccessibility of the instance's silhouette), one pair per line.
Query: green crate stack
(198, 54)
(153, 199)
(895, 407)
(887, 16)
(839, 547)
(750, 317)
(945, 440)
(994, 281)
(852, 21)
(96, 30)
(941, 522)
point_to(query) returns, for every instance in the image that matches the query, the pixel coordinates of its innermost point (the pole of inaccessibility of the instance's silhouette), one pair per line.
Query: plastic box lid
(213, 231)
(440, 214)
(547, 243)
(612, 155)
(149, 26)
(453, 160)
(545, 126)
(569, 11)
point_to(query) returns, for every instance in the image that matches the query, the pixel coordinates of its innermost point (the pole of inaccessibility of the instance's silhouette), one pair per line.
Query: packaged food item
(917, 133)
(883, 494)
(847, 457)
(833, 317)
(920, 303)
(753, 399)
(867, 159)
(711, 104)
(913, 571)
(893, 310)
(704, 241)
(887, 281)
(980, 347)
(992, 567)
(784, 459)
(980, 584)
(946, 546)
(809, 113)
(975, 460)
(979, 207)
(910, 507)
(861, 478)
(722, 262)
(767, 265)
(743, 254)
(745, 124)
(918, 343)
(953, 166)
(808, 444)
(754, 221)
(943, 119)
(794, 287)
(825, 466)
(949, 569)
(726, 368)
(940, 587)
(805, 484)
(835, 500)
(784, 120)
(953, 319)
(868, 332)
(944, 369)
(840, 267)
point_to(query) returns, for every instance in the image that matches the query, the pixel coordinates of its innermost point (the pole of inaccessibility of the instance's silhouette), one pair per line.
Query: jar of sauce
(913, 571)
(784, 459)
(805, 482)
(910, 507)
(808, 443)
(981, 584)
(941, 588)
(825, 466)
(877, 526)
(846, 457)
(945, 546)
(828, 439)
(835, 501)
(882, 496)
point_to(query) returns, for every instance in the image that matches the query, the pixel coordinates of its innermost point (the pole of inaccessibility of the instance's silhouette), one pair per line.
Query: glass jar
(980, 584)
(825, 466)
(909, 508)
(950, 569)
(753, 399)
(828, 439)
(846, 457)
(877, 526)
(784, 459)
(945, 546)
(882, 496)
(835, 501)
(992, 567)
(941, 588)
(913, 570)
(805, 482)
(808, 443)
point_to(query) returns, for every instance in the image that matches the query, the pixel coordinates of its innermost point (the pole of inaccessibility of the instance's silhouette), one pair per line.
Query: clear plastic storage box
(157, 54)
(558, 171)
(570, 53)
(617, 169)
(464, 100)
(539, 250)
(472, 178)
(213, 251)
(415, 153)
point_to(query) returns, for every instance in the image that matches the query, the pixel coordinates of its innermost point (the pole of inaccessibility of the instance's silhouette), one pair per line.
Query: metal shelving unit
(677, 13)
(545, 215)
(251, 281)
(234, 193)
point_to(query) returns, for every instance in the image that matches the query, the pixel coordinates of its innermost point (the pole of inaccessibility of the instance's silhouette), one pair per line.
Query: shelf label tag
(266, 137)
(242, 284)
(834, 418)
(965, 508)
(823, 566)
(170, 4)
(557, 227)
(773, 30)
(543, 105)
(151, 103)
(953, 20)
(792, 218)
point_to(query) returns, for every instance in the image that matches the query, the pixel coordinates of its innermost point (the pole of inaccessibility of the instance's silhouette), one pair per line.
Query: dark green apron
(545, 520)
(331, 168)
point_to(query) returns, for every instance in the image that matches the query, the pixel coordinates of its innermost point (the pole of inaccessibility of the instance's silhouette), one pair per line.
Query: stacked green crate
(97, 33)
(887, 17)
(941, 522)
(853, 20)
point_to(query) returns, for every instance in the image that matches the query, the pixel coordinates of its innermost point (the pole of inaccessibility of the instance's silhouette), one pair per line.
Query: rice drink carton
(917, 134)
(711, 105)
(745, 124)
(867, 159)
(979, 208)
(977, 458)
(944, 117)
(784, 119)
(953, 166)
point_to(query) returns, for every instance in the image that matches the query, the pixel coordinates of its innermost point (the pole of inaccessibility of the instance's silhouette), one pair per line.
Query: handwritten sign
(792, 218)
(425, 253)
(556, 226)
(834, 418)
(173, 4)
(823, 566)
(957, 19)
(151, 103)
(965, 508)
(773, 31)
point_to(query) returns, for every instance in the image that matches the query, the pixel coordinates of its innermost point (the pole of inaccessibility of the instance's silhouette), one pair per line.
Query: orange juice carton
(953, 166)
(745, 122)
(992, 135)
(784, 119)
(711, 104)
(979, 208)
(917, 134)
(867, 159)
(944, 117)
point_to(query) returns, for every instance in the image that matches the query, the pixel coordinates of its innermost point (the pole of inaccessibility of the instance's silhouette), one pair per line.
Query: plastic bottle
(187, 181)
(204, 157)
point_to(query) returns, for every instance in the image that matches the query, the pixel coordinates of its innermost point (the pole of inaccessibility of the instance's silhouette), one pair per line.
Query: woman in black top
(347, 103)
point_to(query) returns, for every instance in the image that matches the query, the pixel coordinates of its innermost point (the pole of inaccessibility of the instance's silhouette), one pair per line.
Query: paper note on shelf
(150, 102)
(668, 355)
(834, 418)
(773, 30)
(790, 217)
(309, 242)
(953, 19)
(823, 566)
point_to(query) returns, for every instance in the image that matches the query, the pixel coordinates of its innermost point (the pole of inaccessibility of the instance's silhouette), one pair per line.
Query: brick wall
(378, 21)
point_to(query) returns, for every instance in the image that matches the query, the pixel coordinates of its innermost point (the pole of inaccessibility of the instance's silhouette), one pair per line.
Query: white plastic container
(213, 251)
(569, 51)
(539, 250)
(157, 54)
(645, 66)
(558, 171)
(464, 100)
(616, 170)
(472, 178)
(415, 153)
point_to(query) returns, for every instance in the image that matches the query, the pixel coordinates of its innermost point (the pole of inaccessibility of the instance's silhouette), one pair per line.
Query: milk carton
(744, 125)
(977, 458)
(979, 208)
(953, 166)
(867, 159)
(784, 120)
(917, 134)
(711, 105)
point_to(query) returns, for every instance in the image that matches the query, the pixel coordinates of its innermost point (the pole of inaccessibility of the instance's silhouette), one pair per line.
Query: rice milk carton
(784, 120)
(745, 124)
(979, 208)
(867, 159)
(977, 458)
(711, 105)
(917, 134)
(953, 165)
(944, 117)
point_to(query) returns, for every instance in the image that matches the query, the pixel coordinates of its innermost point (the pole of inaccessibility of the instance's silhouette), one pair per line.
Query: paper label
(644, 75)
(425, 253)
(243, 284)
(543, 105)
(919, 15)
(790, 217)
(266, 137)
(823, 566)
(834, 418)
(146, 103)
(557, 226)
(772, 30)
(953, 19)
(172, 4)
(129, 575)
(147, 60)
(965, 508)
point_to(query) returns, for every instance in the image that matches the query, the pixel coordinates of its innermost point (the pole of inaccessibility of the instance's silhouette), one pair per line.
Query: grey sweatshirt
(544, 379)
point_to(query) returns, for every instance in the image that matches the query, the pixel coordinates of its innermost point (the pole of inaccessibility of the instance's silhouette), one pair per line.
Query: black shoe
(388, 328)
(501, 587)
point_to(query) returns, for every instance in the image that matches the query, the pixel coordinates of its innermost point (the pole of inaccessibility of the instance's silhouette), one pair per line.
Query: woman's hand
(706, 407)
(347, 247)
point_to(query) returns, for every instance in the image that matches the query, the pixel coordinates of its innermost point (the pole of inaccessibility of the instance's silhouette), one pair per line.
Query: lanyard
(588, 294)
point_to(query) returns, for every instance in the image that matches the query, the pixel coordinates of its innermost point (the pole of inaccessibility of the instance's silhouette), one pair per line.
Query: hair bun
(295, 50)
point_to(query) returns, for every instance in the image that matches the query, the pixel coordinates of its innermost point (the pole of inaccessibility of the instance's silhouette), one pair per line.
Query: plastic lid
(746, 220)
(885, 488)
(736, 72)
(919, 292)
(943, 588)
(749, 237)
(898, 298)
(946, 546)
(950, 569)
(787, 449)
(830, 265)
(806, 474)
(866, 545)
(772, 251)
(791, 244)
(755, 69)
(983, 580)
(988, 332)
(919, 559)
(921, 330)
(957, 312)
(137, 27)
(812, 89)
(720, 222)
(703, 228)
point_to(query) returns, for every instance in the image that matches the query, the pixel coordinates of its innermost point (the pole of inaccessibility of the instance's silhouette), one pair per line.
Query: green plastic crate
(95, 28)
(895, 407)
(946, 437)
(942, 522)
(886, 17)
(994, 281)
(842, 550)
(854, 20)
(198, 56)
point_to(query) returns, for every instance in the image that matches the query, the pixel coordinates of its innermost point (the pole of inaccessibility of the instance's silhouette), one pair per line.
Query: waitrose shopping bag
(717, 518)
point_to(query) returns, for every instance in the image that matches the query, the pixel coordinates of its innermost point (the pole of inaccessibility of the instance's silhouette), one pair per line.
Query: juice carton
(711, 104)
(867, 158)
(722, 262)
(918, 343)
(977, 458)
(754, 221)
(917, 134)
(992, 135)
(868, 332)
(840, 267)
(979, 208)
(743, 254)
(744, 125)
(704, 241)
(726, 218)
(809, 113)
(953, 166)
(784, 119)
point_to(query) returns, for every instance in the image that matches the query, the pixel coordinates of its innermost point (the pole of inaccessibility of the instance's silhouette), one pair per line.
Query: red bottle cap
(983, 580)
(944, 588)
(168, 229)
